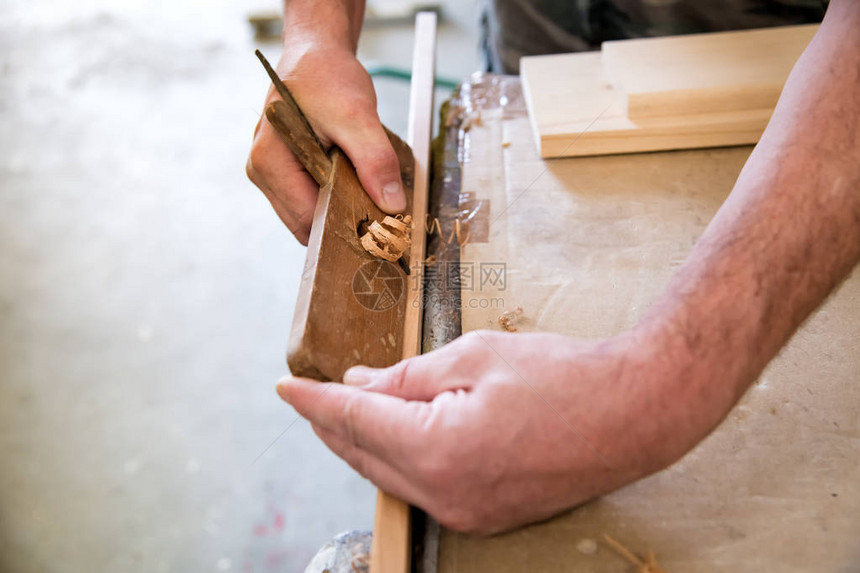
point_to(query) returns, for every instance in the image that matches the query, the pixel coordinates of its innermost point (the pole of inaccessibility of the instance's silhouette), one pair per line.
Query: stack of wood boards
(652, 94)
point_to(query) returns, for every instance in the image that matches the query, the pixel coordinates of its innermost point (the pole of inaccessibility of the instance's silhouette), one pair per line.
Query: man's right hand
(336, 94)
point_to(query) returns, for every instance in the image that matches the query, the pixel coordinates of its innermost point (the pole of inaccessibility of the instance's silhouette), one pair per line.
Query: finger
(421, 378)
(376, 164)
(279, 174)
(384, 426)
(382, 474)
(299, 231)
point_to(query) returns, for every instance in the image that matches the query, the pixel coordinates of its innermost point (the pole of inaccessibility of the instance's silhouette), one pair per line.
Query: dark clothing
(516, 28)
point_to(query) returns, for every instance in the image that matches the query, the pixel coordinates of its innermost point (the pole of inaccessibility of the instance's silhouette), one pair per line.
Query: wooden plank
(575, 112)
(589, 243)
(391, 547)
(704, 73)
(705, 90)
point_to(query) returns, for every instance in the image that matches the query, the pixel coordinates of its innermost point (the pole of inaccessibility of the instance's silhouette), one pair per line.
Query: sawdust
(587, 546)
(508, 320)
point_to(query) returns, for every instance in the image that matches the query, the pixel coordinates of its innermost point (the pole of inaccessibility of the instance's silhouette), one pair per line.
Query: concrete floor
(146, 292)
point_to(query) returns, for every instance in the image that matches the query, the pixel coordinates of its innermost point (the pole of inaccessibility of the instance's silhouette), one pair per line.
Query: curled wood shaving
(389, 239)
(508, 319)
(650, 565)
(433, 225)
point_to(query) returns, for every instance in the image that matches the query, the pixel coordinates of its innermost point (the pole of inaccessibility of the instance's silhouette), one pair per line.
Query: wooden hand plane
(351, 305)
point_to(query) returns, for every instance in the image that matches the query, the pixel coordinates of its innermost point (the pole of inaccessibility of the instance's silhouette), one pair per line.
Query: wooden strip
(704, 73)
(418, 136)
(391, 547)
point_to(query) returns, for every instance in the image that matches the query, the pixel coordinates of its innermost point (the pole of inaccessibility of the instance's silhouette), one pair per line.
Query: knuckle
(397, 377)
(381, 155)
(257, 160)
(471, 340)
(483, 335)
(250, 171)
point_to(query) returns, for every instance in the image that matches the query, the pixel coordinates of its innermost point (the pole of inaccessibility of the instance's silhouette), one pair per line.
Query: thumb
(410, 379)
(377, 166)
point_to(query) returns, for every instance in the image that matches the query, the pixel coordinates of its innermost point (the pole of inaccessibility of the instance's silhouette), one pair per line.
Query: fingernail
(358, 376)
(393, 197)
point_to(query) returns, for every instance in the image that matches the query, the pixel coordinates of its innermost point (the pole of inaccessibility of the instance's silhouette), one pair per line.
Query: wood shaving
(506, 144)
(433, 225)
(650, 564)
(431, 260)
(508, 319)
(389, 239)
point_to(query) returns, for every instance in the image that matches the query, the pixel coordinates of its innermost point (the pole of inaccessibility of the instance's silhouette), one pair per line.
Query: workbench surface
(585, 245)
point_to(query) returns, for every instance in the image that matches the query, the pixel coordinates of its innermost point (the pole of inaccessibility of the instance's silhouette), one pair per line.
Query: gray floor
(146, 291)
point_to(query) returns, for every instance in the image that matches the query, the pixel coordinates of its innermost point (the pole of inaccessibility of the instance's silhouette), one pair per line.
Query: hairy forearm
(788, 234)
(334, 22)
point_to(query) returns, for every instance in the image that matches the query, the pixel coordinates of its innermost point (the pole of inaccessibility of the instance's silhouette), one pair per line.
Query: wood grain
(709, 90)
(391, 547)
(704, 73)
(575, 112)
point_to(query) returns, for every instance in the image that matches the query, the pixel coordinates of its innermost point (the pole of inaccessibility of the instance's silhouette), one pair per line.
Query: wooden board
(351, 306)
(391, 547)
(575, 112)
(704, 73)
(588, 243)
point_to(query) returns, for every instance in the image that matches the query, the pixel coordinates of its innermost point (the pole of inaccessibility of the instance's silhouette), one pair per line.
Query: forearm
(334, 22)
(788, 234)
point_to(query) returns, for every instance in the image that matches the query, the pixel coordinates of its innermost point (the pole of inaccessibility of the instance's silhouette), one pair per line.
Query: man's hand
(495, 430)
(336, 94)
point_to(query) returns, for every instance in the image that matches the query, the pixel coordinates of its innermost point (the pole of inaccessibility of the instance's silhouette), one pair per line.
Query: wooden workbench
(586, 244)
